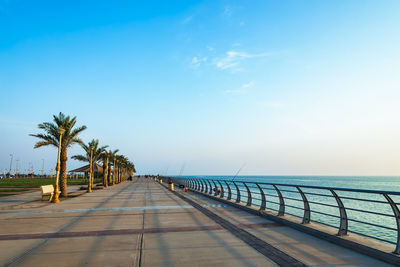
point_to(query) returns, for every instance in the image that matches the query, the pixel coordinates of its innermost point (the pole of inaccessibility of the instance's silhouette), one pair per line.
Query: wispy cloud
(240, 91)
(248, 85)
(227, 11)
(197, 61)
(187, 20)
(272, 104)
(232, 59)
(210, 48)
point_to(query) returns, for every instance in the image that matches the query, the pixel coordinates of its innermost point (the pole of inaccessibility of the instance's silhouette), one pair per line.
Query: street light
(9, 173)
(42, 167)
(90, 171)
(60, 131)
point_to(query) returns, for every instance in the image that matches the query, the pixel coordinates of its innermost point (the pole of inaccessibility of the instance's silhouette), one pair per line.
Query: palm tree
(122, 161)
(105, 157)
(125, 168)
(69, 138)
(112, 155)
(94, 152)
(131, 168)
(106, 170)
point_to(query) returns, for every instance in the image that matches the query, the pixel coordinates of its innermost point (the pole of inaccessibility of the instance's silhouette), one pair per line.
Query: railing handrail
(343, 227)
(303, 186)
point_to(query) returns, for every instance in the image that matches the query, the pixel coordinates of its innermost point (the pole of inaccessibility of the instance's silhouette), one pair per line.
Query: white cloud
(234, 58)
(240, 91)
(197, 61)
(248, 85)
(210, 48)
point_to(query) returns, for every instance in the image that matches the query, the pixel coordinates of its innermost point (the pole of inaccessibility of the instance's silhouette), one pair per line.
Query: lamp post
(17, 168)
(90, 171)
(60, 131)
(9, 173)
(42, 167)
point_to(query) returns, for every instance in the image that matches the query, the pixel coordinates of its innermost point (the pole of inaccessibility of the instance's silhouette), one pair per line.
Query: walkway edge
(363, 249)
(269, 251)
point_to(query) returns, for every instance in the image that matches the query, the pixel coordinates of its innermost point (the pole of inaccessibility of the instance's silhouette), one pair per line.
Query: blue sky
(284, 87)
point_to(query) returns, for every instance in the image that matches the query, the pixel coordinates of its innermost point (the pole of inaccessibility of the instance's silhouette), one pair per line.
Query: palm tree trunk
(90, 180)
(114, 175)
(93, 173)
(105, 172)
(109, 174)
(63, 171)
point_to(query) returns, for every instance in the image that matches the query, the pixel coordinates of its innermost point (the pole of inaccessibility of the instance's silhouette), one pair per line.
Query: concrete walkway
(141, 223)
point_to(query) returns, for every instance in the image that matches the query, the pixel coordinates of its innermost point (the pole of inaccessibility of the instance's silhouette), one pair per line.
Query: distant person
(217, 190)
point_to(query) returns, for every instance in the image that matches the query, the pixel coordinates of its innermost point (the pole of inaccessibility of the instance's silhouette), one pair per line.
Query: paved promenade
(141, 223)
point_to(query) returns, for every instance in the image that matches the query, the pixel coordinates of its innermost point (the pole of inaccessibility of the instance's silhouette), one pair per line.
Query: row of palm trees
(115, 167)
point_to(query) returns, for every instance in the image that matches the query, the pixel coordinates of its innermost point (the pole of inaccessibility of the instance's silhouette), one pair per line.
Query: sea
(369, 214)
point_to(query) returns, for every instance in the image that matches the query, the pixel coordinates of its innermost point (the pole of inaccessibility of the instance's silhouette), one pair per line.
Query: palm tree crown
(97, 151)
(51, 138)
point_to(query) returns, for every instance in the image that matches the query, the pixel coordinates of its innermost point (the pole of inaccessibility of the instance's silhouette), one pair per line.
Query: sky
(205, 87)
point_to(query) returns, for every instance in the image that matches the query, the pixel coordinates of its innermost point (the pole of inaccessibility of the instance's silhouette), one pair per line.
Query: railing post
(198, 184)
(397, 217)
(205, 183)
(222, 190)
(215, 186)
(194, 185)
(343, 215)
(307, 211)
(202, 185)
(238, 193)
(210, 187)
(281, 211)
(229, 191)
(263, 202)
(248, 195)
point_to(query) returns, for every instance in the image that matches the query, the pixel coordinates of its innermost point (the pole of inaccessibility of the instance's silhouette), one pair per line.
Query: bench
(47, 192)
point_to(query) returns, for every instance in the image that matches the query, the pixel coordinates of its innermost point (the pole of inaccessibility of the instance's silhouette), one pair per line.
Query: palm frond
(80, 158)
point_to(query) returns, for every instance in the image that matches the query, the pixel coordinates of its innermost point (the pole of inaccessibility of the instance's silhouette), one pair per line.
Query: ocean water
(359, 212)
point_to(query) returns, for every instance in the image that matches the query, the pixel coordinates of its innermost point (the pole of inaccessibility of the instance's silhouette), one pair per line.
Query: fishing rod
(183, 167)
(237, 173)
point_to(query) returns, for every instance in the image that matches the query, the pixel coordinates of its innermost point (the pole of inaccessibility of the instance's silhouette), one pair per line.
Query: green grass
(37, 182)
(13, 189)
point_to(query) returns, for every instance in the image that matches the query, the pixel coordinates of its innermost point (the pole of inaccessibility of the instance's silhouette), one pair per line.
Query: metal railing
(369, 213)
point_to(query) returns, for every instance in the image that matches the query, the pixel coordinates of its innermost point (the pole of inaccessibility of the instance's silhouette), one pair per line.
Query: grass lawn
(37, 182)
(2, 189)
